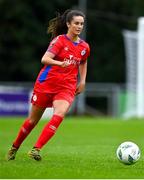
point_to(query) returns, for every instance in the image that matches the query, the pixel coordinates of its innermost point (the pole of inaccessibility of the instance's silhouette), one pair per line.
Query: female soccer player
(57, 83)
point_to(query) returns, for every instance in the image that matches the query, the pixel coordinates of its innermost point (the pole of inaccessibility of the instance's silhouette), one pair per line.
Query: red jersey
(53, 79)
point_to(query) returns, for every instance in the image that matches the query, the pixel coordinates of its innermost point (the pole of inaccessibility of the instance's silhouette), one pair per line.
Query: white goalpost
(140, 68)
(134, 50)
(130, 40)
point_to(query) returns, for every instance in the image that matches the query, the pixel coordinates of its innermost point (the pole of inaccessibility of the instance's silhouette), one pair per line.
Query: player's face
(75, 27)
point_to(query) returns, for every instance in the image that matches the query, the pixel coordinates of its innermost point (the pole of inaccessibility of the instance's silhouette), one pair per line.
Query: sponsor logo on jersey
(70, 56)
(73, 60)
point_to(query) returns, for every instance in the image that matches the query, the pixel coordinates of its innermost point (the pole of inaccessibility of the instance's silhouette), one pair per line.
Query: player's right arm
(54, 48)
(48, 59)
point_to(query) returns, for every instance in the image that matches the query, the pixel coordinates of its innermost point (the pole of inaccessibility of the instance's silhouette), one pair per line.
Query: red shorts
(45, 100)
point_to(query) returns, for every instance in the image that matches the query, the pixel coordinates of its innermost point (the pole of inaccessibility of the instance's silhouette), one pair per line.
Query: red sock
(23, 133)
(48, 131)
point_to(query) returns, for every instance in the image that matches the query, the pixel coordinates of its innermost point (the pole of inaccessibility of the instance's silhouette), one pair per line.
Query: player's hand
(80, 88)
(65, 63)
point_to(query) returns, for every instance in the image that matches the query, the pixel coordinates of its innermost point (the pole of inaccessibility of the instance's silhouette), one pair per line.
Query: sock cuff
(58, 117)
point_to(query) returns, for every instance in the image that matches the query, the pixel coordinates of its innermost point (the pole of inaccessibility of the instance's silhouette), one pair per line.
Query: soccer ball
(128, 153)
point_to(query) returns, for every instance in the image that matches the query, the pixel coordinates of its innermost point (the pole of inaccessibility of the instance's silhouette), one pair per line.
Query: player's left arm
(82, 74)
(83, 71)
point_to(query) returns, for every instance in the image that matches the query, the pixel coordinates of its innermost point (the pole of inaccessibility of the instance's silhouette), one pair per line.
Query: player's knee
(60, 112)
(33, 121)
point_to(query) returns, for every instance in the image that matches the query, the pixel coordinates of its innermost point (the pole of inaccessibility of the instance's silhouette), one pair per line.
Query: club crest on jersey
(83, 52)
(34, 97)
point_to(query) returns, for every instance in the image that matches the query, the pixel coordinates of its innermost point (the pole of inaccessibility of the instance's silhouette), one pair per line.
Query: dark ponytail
(58, 24)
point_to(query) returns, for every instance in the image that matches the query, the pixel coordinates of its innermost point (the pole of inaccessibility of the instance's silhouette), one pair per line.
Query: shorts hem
(41, 106)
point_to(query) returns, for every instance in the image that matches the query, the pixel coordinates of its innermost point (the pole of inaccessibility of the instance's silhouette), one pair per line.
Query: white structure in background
(140, 69)
(130, 40)
(134, 45)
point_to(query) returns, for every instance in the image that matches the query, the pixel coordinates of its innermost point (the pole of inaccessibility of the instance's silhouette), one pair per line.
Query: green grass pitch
(83, 148)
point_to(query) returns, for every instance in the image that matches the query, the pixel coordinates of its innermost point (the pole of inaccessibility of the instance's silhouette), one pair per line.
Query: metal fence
(15, 96)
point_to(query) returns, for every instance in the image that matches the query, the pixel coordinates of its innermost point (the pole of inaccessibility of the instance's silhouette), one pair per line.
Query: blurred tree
(23, 38)
(106, 39)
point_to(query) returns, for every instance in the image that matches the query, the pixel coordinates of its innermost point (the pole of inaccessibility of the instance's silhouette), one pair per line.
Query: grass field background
(83, 147)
